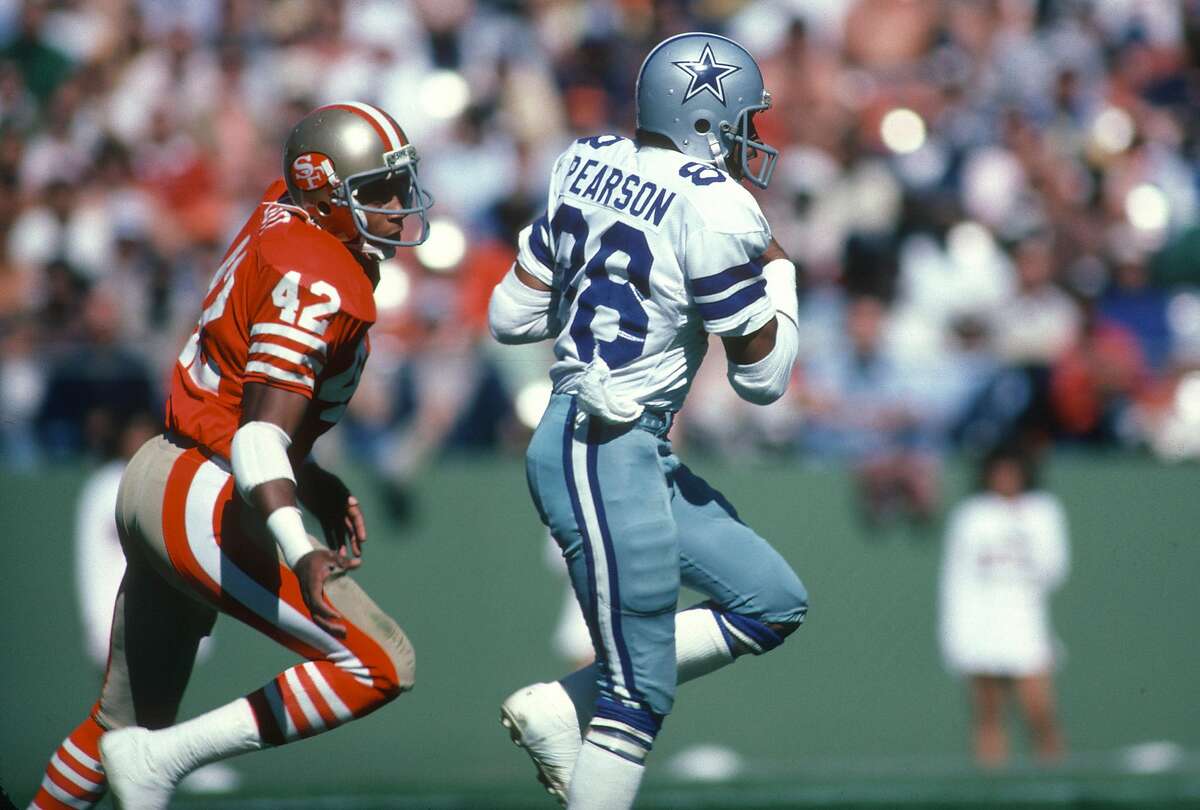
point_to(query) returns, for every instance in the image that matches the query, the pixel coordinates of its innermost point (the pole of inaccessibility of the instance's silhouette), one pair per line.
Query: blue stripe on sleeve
(716, 310)
(537, 242)
(719, 282)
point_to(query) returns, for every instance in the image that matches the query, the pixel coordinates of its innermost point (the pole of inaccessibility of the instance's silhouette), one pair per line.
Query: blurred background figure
(99, 561)
(571, 640)
(864, 406)
(1006, 552)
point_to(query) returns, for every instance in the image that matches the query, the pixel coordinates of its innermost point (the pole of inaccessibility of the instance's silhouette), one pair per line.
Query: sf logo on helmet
(312, 171)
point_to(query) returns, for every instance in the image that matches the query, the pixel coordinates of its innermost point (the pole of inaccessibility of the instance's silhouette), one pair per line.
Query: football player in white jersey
(647, 247)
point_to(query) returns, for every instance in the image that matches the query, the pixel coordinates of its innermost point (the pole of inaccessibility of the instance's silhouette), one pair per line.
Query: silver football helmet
(346, 160)
(701, 91)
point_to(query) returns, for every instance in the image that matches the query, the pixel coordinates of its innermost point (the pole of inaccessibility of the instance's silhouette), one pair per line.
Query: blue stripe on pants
(611, 557)
(568, 438)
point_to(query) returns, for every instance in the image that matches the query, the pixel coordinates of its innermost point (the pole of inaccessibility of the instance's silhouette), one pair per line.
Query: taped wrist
(517, 313)
(287, 527)
(765, 381)
(259, 454)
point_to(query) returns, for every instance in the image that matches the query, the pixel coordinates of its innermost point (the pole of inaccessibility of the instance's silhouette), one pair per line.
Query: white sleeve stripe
(707, 299)
(287, 354)
(393, 136)
(290, 332)
(277, 373)
(743, 321)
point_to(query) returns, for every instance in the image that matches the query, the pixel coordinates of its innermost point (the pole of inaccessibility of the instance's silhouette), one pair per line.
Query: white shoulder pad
(721, 203)
(600, 148)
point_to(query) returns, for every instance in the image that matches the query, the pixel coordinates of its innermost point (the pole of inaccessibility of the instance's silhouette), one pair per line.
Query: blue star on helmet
(706, 74)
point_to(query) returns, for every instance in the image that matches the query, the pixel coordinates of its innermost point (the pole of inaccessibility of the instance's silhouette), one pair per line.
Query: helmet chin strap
(375, 252)
(715, 149)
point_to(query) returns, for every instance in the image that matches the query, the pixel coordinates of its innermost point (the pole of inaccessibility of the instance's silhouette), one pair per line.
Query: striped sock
(74, 778)
(311, 698)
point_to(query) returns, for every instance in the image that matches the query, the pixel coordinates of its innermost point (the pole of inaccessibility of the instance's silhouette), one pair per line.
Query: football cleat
(137, 779)
(541, 719)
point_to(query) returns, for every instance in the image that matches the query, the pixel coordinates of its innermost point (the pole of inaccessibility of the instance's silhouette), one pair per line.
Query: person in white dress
(1006, 551)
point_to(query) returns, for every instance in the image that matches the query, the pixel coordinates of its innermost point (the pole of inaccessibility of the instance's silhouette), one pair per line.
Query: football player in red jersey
(208, 511)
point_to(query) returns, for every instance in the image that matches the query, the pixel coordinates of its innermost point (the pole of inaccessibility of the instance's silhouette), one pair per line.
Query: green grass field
(854, 711)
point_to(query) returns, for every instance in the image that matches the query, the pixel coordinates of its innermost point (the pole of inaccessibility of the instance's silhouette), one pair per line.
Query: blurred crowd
(993, 204)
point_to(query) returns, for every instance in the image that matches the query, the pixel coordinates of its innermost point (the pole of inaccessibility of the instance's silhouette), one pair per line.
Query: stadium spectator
(1005, 552)
(1134, 302)
(1034, 329)
(861, 406)
(139, 128)
(94, 386)
(1094, 384)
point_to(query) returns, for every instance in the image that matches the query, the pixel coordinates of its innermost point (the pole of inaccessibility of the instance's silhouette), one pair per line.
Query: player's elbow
(764, 381)
(518, 313)
(757, 394)
(512, 333)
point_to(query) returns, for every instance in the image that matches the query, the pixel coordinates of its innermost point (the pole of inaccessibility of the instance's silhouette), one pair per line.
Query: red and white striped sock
(74, 778)
(312, 698)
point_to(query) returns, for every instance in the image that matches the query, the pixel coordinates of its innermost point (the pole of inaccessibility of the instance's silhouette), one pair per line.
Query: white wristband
(781, 287)
(287, 527)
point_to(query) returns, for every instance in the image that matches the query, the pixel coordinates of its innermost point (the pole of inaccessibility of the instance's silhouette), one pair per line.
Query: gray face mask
(376, 191)
(701, 91)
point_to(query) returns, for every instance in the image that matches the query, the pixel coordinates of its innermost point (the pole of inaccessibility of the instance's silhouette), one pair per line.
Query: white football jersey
(648, 252)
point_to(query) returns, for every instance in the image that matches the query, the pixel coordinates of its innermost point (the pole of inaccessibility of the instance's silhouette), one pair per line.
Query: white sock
(223, 732)
(700, 648)
(603, 781)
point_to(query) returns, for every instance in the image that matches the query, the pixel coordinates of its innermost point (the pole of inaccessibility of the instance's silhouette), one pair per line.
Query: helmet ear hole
(702, 125)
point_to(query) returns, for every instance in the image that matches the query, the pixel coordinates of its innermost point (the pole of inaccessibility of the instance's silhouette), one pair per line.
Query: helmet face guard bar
(399, 176)
(742, 133)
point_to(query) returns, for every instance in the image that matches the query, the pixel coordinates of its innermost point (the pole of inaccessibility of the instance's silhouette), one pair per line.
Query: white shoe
(541, 719)
(137, 780)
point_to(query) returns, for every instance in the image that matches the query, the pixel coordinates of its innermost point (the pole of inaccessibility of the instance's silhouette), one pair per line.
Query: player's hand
(339, 512)
(313, 570)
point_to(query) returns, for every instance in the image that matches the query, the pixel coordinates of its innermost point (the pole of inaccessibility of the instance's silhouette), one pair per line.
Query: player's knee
(787, 604)
(401, 674)
(390, 660)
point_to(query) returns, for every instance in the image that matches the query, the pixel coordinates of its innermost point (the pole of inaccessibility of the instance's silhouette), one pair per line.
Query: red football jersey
(288, 307)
